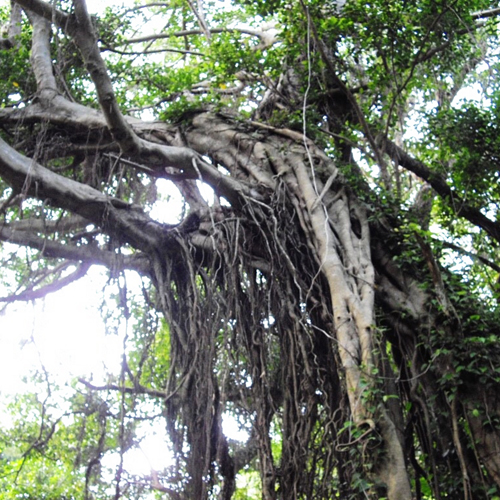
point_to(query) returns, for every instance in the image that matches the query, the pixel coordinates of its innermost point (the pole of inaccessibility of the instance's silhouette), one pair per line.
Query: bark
(483, 422)
(343, 254)
(14, 28)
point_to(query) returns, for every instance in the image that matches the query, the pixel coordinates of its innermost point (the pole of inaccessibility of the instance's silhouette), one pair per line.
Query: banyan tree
(336, 293)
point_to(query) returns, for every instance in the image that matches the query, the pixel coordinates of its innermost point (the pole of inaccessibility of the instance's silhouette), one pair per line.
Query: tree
(339, 295)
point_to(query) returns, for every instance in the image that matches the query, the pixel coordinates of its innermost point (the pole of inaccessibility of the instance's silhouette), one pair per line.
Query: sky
(65, 335)
(63, 332)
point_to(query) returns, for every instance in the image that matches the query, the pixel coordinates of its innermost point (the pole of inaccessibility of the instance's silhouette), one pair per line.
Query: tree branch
(30, 294)
(439, 185)
(80, 28)
(482, 14)
(473, 256)
(200, 16)
(14, 28)
(111, 214)
(137, 389)
(266, 37)
(156, 51)
(350, 96)
(84, 253)
(178, 34)
(82, 32)
(44, 9)
(45, 226)
(41, 59)
(153, 158)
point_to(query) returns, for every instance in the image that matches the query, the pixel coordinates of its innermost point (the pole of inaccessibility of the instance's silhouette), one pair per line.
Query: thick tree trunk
(335, 225)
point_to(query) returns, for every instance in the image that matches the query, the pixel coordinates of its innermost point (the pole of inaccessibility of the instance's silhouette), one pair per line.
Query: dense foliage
(336, 295)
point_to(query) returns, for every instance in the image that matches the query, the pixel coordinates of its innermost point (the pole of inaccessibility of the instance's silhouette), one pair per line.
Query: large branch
(114, 216)
(438, 183)
(64, 113)
(41, 59)
(14, 28)
(169, 161)
(60, 112)
(267, 37)
(44, 9)
(83, 253)
(47, 226)
(80, 28)
(159, 157)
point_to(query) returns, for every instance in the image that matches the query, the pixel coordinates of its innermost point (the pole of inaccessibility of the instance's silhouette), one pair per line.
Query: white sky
(65, 333)
(96, 6)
